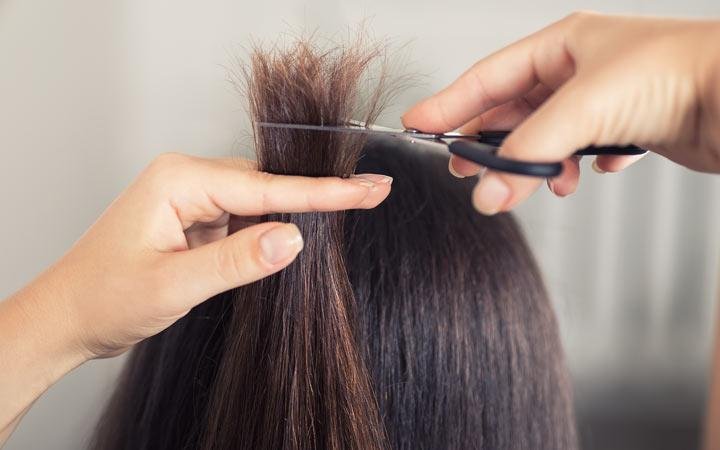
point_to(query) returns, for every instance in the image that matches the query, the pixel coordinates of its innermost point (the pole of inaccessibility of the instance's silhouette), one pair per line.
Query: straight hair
(417, 325)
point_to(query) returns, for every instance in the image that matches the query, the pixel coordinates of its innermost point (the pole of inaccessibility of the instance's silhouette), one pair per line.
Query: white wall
(91, 90)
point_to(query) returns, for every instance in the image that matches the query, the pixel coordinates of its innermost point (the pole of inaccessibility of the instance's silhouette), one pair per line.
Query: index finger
(541, 58)
(256, 193)
(243, 192)
(201, 190)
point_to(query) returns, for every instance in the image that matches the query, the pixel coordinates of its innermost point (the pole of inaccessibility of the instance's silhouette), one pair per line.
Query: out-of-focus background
(91, 91)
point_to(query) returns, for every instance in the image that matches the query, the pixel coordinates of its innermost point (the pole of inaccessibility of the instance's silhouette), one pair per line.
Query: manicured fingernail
(597, 168)
(551, 186)
(280, 243)
(452, 170)
(491, 194)
(371, 179)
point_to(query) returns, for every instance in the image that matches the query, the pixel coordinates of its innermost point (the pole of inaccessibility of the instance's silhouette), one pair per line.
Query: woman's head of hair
(419, 324)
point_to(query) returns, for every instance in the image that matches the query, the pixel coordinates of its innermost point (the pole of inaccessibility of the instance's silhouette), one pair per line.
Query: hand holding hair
(588, 79)
(164, 246)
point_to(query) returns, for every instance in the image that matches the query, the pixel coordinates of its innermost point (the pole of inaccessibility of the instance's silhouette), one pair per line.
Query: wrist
(38, 346)
(50, 323)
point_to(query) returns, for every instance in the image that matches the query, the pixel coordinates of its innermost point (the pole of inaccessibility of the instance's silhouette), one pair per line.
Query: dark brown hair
(419, 324)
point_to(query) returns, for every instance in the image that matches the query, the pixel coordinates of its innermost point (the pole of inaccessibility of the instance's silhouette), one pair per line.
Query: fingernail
(371, 179)
(280, 243)
(491, 194)
(551, 186)
(596, 168)
(452, 170)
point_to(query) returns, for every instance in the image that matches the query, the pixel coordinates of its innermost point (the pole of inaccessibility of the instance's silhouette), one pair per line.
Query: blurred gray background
(91, 91)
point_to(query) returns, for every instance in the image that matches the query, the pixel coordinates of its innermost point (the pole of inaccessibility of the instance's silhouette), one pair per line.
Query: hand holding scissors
(587, 80)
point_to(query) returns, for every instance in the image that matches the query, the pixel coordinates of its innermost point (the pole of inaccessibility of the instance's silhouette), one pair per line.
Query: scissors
(480, 148)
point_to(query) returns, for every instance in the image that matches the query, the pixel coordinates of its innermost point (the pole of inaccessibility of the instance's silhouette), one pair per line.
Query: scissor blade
(372, 130)
(336, 129)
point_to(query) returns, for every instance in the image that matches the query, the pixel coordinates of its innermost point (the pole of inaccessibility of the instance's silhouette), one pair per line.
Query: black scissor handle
(483, 152)
(485, 155)
(611, 150)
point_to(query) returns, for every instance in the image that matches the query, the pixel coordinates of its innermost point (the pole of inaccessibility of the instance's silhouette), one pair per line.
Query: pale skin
(587, 79)
(163, 246)
(166, 244)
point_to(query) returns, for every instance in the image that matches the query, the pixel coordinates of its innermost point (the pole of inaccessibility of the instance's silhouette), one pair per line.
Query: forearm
(37, 348)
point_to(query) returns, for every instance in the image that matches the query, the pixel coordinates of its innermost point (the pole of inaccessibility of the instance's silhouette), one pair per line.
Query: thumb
(241, 258)
(569, 120)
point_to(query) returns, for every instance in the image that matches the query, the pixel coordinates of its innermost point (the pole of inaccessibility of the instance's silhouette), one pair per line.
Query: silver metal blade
(350, 129)
(342, 129)
(357, 127)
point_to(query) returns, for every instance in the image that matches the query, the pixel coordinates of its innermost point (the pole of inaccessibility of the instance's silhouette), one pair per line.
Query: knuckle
(327, 194)
(166, 162)
(576, 23)
(580, 16)
(336, 184)
(311, 203)
(444, 113)
(264, 181)
(166, 167)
